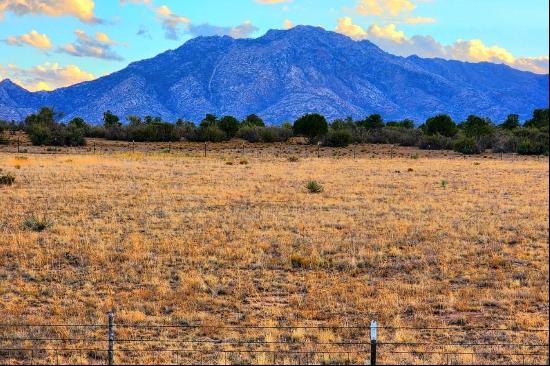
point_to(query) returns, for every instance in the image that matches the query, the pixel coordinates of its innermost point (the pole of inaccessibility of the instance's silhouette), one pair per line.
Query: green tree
(229, 125)
(209, 120)
(442, 125)
(46, 116)
(313, 126)
(110, 120)
(372, 122)
(406, 123)
(253, 120)
(539, 120)
(512, 122)
(477, 127)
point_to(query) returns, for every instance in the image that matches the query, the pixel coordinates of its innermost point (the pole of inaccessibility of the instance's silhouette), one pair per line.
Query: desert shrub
(3, 129)
(264, 134)
(96, 132)
(211, 134)
(293, 159)
(466, 146)
(36, 224)
(7, 179)
(435, 142)
(249, 133)
(504, 141)
(39, 134)
(338, 138)
(314, 187)
(527, 147)
(275, 134)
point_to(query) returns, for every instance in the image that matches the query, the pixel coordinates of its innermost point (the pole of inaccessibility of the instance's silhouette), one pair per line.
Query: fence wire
(268, 344)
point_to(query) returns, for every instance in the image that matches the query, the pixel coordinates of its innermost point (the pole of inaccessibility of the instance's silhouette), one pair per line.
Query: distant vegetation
(472, 136)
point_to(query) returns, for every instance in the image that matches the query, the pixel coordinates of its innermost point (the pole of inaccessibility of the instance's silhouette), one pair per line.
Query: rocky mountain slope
(285, 74)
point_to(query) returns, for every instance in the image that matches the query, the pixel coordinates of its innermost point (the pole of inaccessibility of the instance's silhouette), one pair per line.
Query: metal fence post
(111, 338)
(373, 336)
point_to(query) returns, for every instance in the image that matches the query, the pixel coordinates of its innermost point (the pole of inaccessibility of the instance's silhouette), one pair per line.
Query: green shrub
(211, 134)
(249, 133)
(338, 138)
(466, 146)
(314, 187)
(435, 142)
(36, 224)
(274, 134)
(527, 147)
(7, 179)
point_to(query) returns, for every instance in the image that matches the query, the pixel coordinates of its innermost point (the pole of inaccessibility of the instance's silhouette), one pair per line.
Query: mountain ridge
(285, 74)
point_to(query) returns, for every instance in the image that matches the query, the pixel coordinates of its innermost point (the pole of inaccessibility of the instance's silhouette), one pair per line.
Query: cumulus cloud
(394, 41)
(419, 20)
(287, 24)
(171, 22)
(47, 76)
(384, 7)
(241, 31)
(99, 46)
(81, 9)
(33, 38)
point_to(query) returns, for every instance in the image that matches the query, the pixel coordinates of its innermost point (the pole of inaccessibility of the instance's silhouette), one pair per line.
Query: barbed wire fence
(118, 343)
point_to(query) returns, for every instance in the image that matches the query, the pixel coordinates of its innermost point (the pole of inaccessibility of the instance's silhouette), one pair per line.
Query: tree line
(472, 136)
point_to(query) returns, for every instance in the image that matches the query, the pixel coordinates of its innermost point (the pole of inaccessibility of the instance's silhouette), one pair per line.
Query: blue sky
(47, 44)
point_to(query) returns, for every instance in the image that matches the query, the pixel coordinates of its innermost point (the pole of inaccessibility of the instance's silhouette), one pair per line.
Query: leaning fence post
(373, 335)
(111, 338)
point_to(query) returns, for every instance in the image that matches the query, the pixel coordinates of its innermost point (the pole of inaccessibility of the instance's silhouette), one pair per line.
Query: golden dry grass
(178, 238)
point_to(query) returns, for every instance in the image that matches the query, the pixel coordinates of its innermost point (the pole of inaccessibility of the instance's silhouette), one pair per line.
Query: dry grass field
(236, 238)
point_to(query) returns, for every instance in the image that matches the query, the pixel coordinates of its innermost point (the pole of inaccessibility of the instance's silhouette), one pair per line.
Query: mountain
(284, 74)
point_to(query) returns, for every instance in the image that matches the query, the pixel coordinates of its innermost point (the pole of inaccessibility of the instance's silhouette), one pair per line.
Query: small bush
(36, 224)
(338, 138)
(436, 142)
(528, 147)
(444, 183)
(249, 133)
(467, 146)
(7, 179)
(314, 187)
(293, 159)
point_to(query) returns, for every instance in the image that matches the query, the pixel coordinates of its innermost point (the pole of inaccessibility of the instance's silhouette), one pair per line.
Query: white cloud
(396, 42)
(81, 9)
(287, 24)
(47, 76)
(33, 38)
(241, 31)
(99, 46)
(384, 7)
(171, 22)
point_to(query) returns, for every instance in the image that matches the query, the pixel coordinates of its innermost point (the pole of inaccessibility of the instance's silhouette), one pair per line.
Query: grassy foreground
(170, 238)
